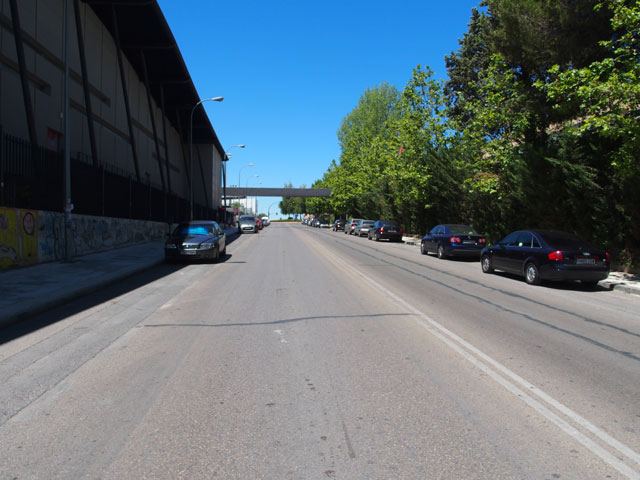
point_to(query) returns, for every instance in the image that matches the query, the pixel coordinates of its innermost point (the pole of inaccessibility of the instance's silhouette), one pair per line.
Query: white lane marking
(281, 334)
(168, 304)
(459, 345)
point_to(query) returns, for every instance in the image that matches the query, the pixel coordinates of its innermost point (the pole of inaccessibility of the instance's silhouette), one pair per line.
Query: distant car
(350, 225)
(197, 239)
(385, 230)
(338, 225)
(540, 255)
(247, 224)
(259, 222)
(362, 227)
(265, 221)
(453, 240)
(324, 223)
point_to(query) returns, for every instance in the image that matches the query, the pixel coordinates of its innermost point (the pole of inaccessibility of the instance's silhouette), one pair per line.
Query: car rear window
(563, 240)
(462, 230)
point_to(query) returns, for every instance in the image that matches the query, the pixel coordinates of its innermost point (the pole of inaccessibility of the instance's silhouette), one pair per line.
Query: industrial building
(131, 102)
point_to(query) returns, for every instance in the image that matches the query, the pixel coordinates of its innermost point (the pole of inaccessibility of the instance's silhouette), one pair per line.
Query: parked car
(338, 225)
(247, 224)
(197, 239)
(453, 240)
(385, 230)
(350, 225)
(324, 222)
(265, 221)
(259, 222)
(539, 255)
(362, 227)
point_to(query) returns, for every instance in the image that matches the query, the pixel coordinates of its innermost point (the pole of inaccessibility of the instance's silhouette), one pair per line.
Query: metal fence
(33, 178)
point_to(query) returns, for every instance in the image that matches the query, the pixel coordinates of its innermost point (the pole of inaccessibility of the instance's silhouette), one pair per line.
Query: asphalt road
(309, 354)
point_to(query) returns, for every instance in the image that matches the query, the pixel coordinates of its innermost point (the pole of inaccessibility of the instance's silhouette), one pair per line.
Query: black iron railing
(33, 178)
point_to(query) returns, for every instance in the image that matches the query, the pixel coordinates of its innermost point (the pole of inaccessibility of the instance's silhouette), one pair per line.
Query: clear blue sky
(290, 71)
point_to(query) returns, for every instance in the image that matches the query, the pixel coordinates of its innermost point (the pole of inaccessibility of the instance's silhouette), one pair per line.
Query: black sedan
(539, 255)
(385, 230)
(198, 239)
(338, 225)
(453, 240)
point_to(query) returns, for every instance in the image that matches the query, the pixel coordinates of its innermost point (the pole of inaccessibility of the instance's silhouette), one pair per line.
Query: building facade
(131, 98)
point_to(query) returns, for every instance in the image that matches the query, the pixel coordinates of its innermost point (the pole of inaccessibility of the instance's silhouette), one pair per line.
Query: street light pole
(241, 168)
(213, 99)
(246, 185)
(226, 158)
(269, 209)
(68, 206)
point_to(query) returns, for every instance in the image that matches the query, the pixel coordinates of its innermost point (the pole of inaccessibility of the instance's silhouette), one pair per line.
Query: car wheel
(223, 254)
(441, 254)
(531, 274)
(423, 250)
(216, 256)
(487, 266)
(377, 237)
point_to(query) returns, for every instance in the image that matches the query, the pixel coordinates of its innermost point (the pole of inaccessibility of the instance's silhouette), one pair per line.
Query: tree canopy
(537, 125)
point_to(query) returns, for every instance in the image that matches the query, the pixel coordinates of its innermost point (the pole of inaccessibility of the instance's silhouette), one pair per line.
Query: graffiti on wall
(18, 237)
(50, 237)
(28, 236)
(8, 237)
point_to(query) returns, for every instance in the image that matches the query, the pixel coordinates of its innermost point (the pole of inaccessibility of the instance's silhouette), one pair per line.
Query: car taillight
(481, 240)
(557, 255)
(455, 240)
(608, 257)
(381, 229)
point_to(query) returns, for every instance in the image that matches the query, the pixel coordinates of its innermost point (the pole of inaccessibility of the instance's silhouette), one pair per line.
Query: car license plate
(585, 261)
(468, 242)
(188, 252)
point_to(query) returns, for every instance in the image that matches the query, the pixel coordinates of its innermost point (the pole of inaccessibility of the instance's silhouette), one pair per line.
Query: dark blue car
(196, 240)
(453, 240)
(539, 255)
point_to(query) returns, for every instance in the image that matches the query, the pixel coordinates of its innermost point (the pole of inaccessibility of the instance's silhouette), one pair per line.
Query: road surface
(309, 354)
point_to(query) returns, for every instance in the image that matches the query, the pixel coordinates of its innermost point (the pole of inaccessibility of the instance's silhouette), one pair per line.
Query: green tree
(605, 99)
(360, 167)
(465, 66)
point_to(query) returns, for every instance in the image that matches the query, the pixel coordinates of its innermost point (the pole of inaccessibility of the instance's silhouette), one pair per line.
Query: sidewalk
(31, 290)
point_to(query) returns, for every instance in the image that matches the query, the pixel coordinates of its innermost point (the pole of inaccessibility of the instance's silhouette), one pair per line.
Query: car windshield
(563, 240)
(462, 230)
(247, 219)
(193, 229)
(368, 222)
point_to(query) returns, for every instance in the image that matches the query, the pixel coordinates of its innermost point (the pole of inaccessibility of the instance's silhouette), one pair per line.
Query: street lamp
(213, 99)
(252, 176)
(255, 212)
(226, 158)
(248, 165)
(269, 209)
(246, 185)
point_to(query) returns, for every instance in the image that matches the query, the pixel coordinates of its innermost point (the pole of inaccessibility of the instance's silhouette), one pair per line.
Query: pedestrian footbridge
(240, 192)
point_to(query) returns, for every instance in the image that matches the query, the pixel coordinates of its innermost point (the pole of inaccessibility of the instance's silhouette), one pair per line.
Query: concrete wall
(28, 237)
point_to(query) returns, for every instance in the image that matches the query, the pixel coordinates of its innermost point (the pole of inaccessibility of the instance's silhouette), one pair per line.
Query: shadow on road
(103, 294)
